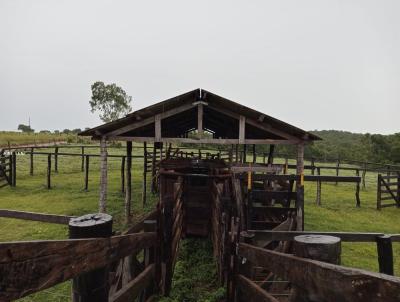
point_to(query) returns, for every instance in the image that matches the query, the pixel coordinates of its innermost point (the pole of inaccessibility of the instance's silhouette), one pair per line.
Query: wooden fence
(7, 170)
(388, 189)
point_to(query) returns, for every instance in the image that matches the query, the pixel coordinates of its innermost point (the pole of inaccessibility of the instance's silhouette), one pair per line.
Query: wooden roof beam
(254, 123)
(220, 141)
(148, 120)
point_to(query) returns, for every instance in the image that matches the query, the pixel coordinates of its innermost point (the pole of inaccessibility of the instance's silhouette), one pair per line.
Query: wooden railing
(29, 267)
(388, 189)
(7, 170)
(320, 281)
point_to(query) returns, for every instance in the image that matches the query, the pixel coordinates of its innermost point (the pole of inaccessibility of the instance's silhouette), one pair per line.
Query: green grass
(195, 272)
(20, 138)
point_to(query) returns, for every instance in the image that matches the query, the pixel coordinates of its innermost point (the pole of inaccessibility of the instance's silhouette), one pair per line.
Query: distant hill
(356, 146)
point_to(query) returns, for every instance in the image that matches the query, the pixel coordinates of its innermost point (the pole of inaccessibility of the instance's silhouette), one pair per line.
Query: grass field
(192, 281)
(18, 138)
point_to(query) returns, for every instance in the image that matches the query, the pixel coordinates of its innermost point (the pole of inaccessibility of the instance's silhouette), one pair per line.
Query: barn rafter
(169, 120)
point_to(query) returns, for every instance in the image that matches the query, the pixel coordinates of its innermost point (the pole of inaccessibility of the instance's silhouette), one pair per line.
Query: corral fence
(388, 190)
(7, 169)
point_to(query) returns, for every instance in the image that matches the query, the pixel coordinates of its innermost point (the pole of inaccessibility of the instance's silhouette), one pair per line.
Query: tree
(76, 131)
(66, 131)
(110, 100)
(25, 128)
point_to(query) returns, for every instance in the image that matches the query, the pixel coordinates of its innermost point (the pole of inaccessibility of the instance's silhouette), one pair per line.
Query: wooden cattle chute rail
(388, 189)
(49, 218)
(321, 281)
(47, 263)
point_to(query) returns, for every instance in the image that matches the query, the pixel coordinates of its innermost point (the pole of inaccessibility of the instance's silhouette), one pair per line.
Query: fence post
(300, 207)
(316, 247)
(149, 258)
(378, 193)
(31, 162)
(83, 157)
(364, 174)
(56, 159)
(87, 173)
(358, 204)
(14, 168)
(123, 174)
(93, 285)
(385, 254)
(337, 168)
(49, 171)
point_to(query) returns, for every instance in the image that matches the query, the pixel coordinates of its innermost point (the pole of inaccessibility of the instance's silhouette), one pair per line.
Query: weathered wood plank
(251, 289)
(132, 289)
(28, 267)
(50, 218)
(326, 282)
(289, 235)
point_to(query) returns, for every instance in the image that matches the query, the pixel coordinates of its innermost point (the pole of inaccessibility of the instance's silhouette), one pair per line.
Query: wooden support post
(200, 120)
(317, 247)
(123, 175)
(385, 254)
(103, 175)
(300, 159)
(237, 153)
(312, 165)
(153, 169)
(93, 285)
(300, 208)
(157, 127)
(149, 258)
(246, 268)
(242, 129)
(167, 248)
(271, 155)
(10, 170)
(254, 154)
(128, 189)
(87, 172)
(83, 157)
(378, 193)
(31, 162)
(144, 185)
(56, 159)
(14, 169)
(300, 187)
(49, 171)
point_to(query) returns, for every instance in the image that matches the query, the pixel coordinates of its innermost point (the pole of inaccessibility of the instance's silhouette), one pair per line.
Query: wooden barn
(202, 117)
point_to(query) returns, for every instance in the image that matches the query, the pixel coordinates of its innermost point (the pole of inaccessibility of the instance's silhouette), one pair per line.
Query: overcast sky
(315, 64)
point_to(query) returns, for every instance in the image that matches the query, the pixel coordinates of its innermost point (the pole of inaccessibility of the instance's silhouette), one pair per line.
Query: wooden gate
(388, 189)
(6, 170)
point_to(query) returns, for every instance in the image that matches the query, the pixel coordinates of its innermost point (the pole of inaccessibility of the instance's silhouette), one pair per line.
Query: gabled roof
(179, 115)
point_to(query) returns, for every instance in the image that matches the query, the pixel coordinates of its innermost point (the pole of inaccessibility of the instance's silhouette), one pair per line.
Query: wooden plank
(132, 289)
(50, 218)
(289, 235)
(138, 227)
(250, 289)
(324, 281)
(28, 267)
